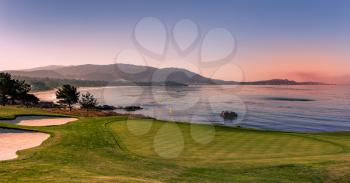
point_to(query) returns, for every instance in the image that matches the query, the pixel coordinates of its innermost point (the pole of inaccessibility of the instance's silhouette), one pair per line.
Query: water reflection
(327, 107)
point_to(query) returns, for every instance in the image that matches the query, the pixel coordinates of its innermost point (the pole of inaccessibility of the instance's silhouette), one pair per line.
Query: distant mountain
(49, 67)
(119, 73)
(280, 82)
(37, 74)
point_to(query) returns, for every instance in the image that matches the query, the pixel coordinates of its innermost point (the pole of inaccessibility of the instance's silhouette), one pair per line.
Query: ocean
(309, 108)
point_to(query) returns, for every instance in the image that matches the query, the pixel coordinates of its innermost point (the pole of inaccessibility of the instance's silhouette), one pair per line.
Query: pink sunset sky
(296, 45)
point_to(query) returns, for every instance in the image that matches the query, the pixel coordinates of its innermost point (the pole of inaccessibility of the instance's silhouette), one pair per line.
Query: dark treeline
(14, 91)
(40, 84)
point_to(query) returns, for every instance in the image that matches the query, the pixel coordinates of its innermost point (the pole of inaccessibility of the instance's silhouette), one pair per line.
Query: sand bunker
(10, 143)
(46, 122)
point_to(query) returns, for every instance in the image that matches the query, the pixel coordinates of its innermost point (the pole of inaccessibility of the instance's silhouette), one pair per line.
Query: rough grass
(114, 149)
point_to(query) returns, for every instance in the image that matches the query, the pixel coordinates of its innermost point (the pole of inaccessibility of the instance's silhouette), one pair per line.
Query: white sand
(46, 122)
(10, 143)
(49, 96)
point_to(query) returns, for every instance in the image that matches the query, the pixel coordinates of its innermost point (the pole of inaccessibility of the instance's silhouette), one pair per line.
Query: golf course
(123, 149)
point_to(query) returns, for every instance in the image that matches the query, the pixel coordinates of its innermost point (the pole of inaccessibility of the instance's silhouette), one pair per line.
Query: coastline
(46, 96)
(49, 95)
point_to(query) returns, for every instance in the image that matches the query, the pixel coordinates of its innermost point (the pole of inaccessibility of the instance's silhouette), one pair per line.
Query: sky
(294, 39)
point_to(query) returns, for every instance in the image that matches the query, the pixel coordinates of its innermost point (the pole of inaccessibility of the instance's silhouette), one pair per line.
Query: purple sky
(303, 40)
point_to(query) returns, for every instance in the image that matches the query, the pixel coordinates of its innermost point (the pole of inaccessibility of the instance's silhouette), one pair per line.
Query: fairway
(115, 149)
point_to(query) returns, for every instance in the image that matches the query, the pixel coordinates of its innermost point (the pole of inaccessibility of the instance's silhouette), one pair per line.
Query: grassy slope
(11, 112)
(112, 149)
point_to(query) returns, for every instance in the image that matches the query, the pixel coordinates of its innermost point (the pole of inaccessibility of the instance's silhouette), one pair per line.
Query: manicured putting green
(156, 139)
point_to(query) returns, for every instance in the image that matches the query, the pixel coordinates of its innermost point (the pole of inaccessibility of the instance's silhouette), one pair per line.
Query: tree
(12, 89)
(88, 101)
(6, 85)
(68, 95)
(30, 99)
(20, 91)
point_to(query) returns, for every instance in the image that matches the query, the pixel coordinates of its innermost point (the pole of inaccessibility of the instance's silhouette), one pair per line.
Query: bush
(88, 101)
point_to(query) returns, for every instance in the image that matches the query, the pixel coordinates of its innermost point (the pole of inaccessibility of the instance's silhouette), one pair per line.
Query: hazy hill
(49, 67)
(37, 74)
(116, 74)
(280, 82)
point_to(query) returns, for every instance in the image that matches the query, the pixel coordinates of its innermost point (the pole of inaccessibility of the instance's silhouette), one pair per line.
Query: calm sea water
(285, 108)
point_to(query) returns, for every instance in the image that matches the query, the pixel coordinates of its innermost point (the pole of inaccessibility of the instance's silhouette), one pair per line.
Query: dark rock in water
(290, 99)
(229, 115)
(132, 108)
(126, 108)
(106, 107)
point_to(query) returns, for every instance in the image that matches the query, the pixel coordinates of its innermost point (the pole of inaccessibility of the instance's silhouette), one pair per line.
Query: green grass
(11, 112)
(114, 149)
(210, 143)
